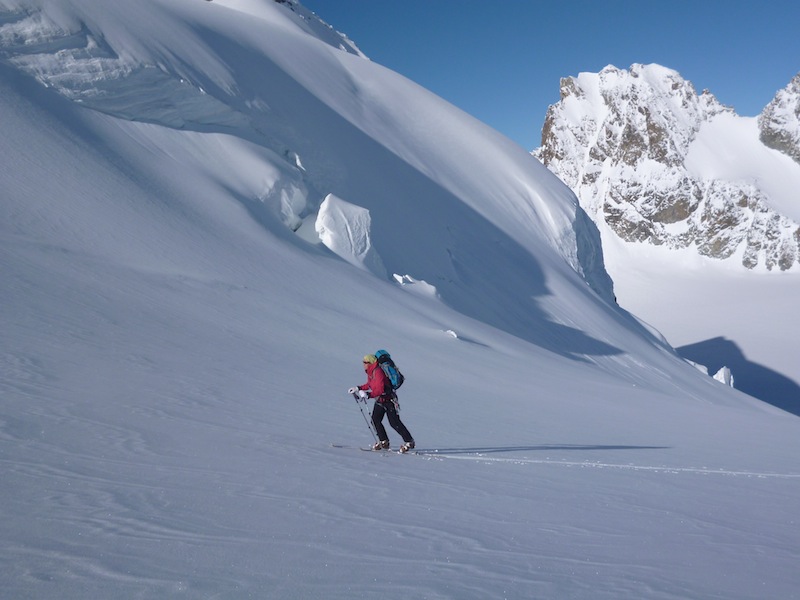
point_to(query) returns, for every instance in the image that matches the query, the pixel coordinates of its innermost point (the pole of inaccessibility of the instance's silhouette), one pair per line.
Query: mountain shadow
(749, 377)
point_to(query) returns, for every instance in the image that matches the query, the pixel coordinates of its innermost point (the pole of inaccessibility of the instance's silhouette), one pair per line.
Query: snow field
(174, 357)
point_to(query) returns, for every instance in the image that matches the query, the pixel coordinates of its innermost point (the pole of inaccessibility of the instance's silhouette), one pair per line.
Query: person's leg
(377, 416)
(397, 424)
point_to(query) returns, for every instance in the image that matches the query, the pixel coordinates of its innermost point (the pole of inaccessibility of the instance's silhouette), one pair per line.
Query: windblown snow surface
(177, 340)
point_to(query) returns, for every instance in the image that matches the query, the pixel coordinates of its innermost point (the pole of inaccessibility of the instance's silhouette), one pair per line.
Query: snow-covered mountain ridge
(634, 146)
(123, 77)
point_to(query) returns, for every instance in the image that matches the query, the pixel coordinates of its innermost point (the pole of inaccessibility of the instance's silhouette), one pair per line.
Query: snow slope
(177, 340)
(717, 316)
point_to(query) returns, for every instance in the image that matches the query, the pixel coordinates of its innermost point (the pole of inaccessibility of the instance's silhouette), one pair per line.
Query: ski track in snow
(604, 465)
(455, 454)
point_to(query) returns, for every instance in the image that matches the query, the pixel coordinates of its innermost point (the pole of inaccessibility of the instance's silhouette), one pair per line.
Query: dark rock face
(779, 123)
(620, 140)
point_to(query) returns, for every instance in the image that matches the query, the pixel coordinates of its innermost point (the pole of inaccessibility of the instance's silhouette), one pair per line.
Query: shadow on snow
(749, 377)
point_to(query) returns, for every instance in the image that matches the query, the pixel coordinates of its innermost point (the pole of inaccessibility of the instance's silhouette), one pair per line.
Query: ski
(355, 448)
(387, 451)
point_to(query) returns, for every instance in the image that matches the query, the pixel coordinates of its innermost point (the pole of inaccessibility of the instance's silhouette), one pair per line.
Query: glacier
(177, 340)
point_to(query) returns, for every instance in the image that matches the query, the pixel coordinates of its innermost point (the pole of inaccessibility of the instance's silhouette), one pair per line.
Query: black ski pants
(387, 408)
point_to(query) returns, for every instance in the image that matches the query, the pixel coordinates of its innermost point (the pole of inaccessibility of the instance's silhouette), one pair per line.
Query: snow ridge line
(601, 465)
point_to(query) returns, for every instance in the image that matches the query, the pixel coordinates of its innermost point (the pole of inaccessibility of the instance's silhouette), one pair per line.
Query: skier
(379, 387)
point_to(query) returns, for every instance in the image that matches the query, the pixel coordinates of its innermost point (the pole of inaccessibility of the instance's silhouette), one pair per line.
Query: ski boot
(381, 445)
(407, 446)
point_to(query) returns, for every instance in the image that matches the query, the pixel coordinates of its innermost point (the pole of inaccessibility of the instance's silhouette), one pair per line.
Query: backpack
(393, 374)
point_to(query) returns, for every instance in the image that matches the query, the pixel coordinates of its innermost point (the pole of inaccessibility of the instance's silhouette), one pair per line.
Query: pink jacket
(377, 382)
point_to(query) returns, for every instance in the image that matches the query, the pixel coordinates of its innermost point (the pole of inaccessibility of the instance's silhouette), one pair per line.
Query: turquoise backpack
(392, 372)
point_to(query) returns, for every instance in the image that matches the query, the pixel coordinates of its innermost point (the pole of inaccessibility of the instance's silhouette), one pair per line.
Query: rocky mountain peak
(779, 123)
(620, 139)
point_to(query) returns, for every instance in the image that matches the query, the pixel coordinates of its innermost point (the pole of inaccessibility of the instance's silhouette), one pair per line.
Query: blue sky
(501, 61)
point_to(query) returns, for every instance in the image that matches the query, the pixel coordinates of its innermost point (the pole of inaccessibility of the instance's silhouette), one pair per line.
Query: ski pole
(369, 423)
